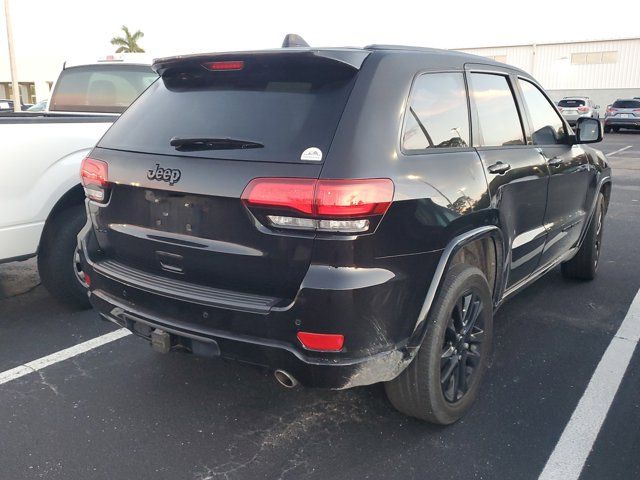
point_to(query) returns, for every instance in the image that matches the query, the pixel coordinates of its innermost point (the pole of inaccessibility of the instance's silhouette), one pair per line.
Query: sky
(47, 32)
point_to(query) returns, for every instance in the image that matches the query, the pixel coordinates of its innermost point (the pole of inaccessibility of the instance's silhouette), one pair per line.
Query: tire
(607, 129)
(57, 258)
(584, 265)
(616, 129)
(417, 391)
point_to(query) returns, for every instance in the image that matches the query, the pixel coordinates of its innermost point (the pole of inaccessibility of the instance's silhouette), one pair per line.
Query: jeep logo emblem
(171, 175)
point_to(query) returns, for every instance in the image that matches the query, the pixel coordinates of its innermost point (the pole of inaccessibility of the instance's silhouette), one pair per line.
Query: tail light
(340, 206)
(583, 109)
(560, 109)
(94, 175)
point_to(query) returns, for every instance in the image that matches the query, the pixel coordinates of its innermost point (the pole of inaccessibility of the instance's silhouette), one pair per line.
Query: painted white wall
(551, 64)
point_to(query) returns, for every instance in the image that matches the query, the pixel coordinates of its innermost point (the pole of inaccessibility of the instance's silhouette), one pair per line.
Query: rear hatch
(180, 157)
(625, 109)
(572, 107)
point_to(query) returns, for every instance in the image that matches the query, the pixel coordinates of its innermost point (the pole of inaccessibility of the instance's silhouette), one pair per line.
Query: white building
(35, 76)
(601, 69)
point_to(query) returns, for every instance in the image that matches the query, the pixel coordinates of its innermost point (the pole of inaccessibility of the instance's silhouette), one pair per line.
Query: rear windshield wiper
(192, 144)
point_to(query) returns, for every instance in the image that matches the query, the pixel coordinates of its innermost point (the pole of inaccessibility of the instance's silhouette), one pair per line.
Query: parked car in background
(41, 199)
(573, 108)
(39, 107)
(329, 214)
(623, 113)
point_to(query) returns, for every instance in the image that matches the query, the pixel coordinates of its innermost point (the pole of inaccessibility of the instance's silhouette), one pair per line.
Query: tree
(128, 43)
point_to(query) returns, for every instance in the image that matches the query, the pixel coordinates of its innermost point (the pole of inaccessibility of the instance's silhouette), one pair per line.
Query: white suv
(572, 108)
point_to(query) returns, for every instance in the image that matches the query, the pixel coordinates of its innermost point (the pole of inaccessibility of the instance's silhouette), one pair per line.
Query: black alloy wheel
(462, 347)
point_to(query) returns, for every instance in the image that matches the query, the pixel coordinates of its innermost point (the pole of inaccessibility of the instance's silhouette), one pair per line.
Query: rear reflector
(222, 66)
(332, 205)
(94, 175)
(321, 342)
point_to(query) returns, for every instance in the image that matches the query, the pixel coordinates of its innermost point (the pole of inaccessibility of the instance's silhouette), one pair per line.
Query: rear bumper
(573, 119)
(362, 304)
(622, 122)
(321, 372)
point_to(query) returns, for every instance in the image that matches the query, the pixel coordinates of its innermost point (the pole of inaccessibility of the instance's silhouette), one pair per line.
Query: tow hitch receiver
(160, 341)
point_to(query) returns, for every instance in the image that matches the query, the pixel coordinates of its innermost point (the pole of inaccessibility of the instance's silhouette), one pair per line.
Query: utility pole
(12, 61)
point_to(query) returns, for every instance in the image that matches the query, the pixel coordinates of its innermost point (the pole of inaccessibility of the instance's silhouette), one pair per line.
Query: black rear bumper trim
(180, 290)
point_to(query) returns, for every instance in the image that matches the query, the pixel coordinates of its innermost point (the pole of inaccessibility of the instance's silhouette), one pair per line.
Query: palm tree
(128, 43)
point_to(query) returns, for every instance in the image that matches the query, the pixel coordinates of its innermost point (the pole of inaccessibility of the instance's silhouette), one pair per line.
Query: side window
(548, 128)
(499, 122)
(438, 115)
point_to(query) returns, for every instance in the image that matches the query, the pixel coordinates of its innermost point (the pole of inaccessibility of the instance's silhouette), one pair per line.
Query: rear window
(571, 103)
(100, 88)
(626, 104)
(289, 105)
(438, 116)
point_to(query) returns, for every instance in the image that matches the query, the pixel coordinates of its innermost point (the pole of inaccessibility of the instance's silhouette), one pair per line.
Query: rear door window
(438, 115)
(498, 119)
(100, 88)
(288, 104)
(548, 128)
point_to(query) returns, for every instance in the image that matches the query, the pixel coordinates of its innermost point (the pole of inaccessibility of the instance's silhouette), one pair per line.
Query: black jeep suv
(341, 216)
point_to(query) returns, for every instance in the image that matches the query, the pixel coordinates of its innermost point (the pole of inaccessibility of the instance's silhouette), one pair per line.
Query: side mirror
(588, 130)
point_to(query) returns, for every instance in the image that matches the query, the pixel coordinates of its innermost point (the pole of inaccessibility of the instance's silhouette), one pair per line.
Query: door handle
(499, 168)
(555, 162)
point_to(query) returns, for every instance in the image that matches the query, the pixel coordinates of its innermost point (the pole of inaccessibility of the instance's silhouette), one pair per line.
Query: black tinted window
(438, 114)
(100, 88)
(626, 104)
(571, 103)
(548, 128)
(287, 103)
(499, 122)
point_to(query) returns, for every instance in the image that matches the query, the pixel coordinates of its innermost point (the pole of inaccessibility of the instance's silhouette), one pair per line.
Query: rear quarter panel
(438, 195)
(40, 162)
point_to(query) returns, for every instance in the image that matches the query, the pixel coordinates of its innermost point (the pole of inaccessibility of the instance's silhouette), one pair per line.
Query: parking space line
(570, 454)
(43, 362)
(620, 150)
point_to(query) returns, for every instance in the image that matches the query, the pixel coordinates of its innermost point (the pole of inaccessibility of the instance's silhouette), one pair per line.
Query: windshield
(286, 105)
(571, 103)
(100, 88)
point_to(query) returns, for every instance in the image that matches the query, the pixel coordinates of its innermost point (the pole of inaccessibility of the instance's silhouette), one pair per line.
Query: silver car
(572, 108)
(622, 114)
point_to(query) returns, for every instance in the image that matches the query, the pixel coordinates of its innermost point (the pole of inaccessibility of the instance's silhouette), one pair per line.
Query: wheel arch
(72, 197)
(606, 191)
(482, 247)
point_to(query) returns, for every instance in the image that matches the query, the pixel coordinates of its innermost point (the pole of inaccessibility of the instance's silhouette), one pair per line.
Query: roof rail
(292, 40)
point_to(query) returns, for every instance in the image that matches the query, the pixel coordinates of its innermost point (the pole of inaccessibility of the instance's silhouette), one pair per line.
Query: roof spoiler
(293, 40)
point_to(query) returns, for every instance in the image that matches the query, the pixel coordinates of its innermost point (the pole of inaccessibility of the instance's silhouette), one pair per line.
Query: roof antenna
(293, 40)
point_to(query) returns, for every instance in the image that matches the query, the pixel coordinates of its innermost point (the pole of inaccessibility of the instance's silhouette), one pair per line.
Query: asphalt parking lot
(123, 411)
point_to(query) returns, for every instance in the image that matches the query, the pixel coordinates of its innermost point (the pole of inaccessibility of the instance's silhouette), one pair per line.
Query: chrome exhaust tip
(285, 379)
